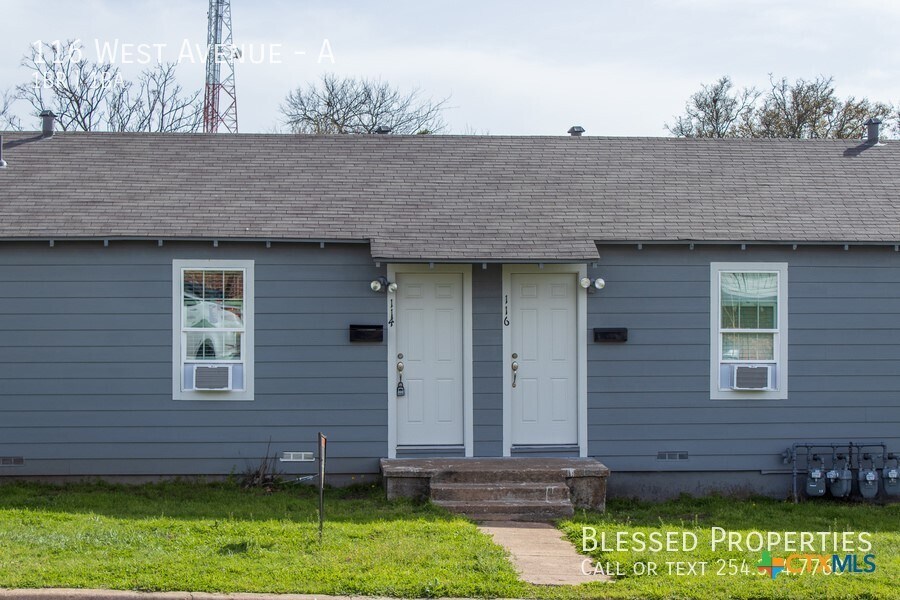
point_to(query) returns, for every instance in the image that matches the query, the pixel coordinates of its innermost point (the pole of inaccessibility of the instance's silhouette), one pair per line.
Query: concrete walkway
(540, 553)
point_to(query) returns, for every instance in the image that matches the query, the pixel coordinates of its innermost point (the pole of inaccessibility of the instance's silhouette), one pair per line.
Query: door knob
(401, 389)
(515, 370)
(515, 366)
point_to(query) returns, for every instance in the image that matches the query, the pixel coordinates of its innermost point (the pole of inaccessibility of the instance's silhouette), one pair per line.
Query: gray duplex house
(682, 310)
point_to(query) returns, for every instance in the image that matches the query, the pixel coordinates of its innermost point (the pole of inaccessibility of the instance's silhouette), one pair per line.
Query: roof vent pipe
(2, 162)
(575, 130)
(48, 123)
(873, 135)
(382, 129)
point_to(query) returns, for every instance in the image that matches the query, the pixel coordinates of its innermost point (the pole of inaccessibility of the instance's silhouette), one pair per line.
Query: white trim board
(579, 270)
(468, 406)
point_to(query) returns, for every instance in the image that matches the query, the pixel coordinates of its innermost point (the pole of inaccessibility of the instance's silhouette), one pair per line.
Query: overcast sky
(525, 67)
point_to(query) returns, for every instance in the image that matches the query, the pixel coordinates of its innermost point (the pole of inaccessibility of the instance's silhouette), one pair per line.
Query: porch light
(381, 284)
(587, 283)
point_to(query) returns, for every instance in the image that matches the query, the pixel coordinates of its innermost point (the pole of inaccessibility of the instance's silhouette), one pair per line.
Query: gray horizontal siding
(548, 452)
(273, 420)
(163, 387)
(85, 351)
(168, 447)
(487, 351)
(184, 466)
(651, 394)
(85, 362)
(436, 452)
(141, 401)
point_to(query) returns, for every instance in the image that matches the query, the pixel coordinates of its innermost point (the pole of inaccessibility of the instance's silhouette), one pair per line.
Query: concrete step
(499, 476)
(505, 491)
(500, 510)
(500, 488)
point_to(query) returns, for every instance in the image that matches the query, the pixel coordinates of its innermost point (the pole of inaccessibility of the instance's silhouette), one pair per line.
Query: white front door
(429, 343)
(544, 349)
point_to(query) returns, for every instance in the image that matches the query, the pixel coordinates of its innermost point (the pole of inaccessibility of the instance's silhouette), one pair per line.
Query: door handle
(401, 389)
(515, 370)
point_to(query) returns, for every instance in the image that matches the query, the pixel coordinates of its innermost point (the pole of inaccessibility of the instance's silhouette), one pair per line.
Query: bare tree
(351, 105)
(472, 130)
(850, 116)
(155, 103)
(715, 111)
(88, 96)
(8, 121)
(810, 109)
(71, 87)
(802, 109)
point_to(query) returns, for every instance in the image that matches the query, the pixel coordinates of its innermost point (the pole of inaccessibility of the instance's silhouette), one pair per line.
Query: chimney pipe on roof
(575, 130)
(873, 135)
(48, 123)
(2, 162)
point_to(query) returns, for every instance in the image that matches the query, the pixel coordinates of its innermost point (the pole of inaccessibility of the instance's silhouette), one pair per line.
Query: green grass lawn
(219, 537)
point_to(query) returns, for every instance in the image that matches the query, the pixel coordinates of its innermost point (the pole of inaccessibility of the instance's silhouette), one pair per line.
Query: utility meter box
(815, 479)
(868, 483)
(840, 478)
(890, 477)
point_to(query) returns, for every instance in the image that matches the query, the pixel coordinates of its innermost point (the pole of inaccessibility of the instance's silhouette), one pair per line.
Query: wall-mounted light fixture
(381, 284)
(592, 284)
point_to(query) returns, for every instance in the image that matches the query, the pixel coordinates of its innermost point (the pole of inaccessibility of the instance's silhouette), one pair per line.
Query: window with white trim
(748, 330)
(212, 329)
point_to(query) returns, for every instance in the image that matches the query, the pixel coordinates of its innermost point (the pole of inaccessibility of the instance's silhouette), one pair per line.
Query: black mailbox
(367, 333)
(611, 334)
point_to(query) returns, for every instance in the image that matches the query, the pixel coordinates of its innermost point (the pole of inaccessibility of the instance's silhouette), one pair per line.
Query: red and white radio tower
(220, 99)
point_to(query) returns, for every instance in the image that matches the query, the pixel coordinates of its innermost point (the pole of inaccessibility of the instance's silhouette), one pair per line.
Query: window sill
(748, 395)
(190, 396)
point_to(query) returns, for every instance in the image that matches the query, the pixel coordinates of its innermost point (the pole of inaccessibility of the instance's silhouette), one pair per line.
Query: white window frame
(781, 332)
(247, 340)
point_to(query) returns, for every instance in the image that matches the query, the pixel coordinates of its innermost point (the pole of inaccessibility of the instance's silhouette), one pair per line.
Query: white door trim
(468, 412)
(580, 271)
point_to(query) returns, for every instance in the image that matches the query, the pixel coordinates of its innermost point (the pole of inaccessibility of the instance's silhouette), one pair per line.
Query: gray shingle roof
(450, 197)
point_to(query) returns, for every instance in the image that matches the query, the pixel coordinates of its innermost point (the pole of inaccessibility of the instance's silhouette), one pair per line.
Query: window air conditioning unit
(752, 377)
(212, 378)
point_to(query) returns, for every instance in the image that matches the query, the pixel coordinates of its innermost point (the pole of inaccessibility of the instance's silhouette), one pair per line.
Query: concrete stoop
(500, 489)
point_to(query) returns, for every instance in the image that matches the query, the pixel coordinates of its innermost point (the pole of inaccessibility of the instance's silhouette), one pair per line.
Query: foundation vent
(297, 457)
(671, 455)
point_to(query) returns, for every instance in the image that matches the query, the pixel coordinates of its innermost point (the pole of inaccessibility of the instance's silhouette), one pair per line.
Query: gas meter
(891, 476)
(868, 477)
(815, 478)
(840, 479)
